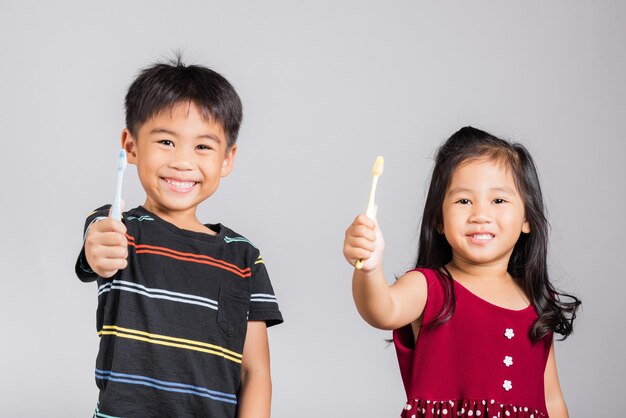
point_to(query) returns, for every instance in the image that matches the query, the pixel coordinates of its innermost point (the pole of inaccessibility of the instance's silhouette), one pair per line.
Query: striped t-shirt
(172, 324)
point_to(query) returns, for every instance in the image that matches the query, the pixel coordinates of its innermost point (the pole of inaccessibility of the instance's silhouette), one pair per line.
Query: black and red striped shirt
(172, 324)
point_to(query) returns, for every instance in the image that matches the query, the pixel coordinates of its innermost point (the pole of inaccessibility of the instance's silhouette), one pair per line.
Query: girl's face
(483, 213)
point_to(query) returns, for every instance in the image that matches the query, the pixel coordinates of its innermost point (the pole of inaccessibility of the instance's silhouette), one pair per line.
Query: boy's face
(180, 158)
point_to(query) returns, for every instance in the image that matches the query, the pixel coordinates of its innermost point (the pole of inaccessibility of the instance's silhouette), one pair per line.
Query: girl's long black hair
(528, 262)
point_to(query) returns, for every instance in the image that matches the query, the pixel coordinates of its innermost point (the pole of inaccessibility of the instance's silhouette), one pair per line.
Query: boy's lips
(179, 185)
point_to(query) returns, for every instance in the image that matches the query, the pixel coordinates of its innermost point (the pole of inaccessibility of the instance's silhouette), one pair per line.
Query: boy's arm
(554, 398)
(256, 384)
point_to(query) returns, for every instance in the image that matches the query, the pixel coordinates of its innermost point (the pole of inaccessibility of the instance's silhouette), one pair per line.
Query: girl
(473, 322)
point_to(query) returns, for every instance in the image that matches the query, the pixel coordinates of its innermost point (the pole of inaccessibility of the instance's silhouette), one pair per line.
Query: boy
(183, 307)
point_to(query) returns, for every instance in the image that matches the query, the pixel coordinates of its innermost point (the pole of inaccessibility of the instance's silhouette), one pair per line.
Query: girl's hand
(364, 241)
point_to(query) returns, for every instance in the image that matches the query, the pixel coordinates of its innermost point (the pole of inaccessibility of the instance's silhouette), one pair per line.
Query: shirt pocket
(233, 304)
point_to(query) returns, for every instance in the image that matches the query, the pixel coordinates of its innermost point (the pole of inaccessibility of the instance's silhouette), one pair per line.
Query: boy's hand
(106, 247)
(364, 241)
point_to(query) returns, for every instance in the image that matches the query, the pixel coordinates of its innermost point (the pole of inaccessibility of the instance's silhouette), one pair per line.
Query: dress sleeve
(82, 268)
(263, 303)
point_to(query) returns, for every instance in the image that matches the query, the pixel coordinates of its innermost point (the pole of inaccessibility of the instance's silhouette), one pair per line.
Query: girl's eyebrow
(502, 189)
(459, 190)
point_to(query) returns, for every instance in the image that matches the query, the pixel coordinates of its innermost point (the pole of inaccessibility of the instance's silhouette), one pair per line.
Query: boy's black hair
(164, 85)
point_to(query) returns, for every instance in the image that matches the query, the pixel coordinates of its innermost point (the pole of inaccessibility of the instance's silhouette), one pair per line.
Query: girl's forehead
(483, 171)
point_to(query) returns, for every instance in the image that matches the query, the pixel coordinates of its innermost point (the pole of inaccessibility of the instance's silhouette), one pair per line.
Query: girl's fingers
(361, 231)
(361, 243)
(363, 220)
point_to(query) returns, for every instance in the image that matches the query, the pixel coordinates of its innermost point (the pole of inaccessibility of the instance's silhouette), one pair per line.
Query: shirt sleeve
(263, 302)
(82, 268)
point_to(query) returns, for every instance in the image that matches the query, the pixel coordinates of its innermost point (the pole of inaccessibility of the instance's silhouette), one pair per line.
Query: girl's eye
(166, 142)
(498, 201)
(463, 201)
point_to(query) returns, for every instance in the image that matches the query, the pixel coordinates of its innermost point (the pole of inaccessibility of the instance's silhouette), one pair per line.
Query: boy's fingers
(112, 225)
(113, 239)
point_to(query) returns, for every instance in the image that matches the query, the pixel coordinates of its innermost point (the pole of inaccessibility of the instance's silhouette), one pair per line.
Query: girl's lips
(481, 237)
(179, 185)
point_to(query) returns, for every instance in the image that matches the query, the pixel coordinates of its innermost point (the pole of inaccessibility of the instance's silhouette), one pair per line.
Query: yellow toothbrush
(377, 170)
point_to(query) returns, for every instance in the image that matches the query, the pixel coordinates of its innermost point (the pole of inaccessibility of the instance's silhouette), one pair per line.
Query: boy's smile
(180, 158)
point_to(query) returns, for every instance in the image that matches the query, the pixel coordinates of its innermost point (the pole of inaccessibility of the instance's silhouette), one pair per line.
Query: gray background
(327, 86)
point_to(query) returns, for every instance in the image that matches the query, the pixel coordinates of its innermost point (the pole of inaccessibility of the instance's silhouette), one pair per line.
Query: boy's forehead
(183, 116)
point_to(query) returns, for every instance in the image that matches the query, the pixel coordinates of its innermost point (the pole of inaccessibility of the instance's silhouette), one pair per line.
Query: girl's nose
(480, 214)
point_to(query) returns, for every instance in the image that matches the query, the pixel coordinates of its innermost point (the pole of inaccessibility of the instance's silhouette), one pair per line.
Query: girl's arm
(255, 395)
(381, 305)
(554, 398)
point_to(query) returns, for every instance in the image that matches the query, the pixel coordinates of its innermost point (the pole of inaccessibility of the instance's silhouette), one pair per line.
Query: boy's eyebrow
(172, 133)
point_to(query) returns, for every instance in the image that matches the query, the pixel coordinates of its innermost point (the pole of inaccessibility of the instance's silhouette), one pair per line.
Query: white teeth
(181, 184)
(482, 236)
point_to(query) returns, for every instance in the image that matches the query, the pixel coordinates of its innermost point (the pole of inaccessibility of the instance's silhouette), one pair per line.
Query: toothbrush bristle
(121, 160)
(378, 167)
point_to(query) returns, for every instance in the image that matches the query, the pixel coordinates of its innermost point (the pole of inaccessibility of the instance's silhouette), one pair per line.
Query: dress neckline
(474, 295)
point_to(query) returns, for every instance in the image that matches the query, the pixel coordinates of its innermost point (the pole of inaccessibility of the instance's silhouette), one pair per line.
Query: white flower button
(508, 360)
(508, 333)
(507, 385)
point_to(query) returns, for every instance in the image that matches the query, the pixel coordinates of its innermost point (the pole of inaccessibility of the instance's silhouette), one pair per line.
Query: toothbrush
(116, 210)
(377, 170)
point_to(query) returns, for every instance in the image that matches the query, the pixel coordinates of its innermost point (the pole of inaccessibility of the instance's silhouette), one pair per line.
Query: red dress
(480, 363)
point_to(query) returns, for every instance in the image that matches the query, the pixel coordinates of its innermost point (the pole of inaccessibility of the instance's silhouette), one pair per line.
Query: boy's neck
(183, 219)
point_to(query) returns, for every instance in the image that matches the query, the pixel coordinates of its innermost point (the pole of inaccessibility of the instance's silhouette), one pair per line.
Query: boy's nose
(181, 159)
(181, 165)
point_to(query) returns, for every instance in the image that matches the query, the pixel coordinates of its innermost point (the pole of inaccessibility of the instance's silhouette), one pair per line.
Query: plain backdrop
(326, 86)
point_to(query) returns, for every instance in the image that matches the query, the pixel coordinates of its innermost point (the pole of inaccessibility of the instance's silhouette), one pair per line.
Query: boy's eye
(203, 147)
(166, 142)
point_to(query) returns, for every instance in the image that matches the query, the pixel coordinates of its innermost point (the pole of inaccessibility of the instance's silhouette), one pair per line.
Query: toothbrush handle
(116, 210)
(369, 212)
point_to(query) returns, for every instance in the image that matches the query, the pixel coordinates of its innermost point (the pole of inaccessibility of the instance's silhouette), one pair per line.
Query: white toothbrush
(116, 210)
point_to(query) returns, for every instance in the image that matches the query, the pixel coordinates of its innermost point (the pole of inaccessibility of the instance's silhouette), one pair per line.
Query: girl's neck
(492, 272)
(491, 282)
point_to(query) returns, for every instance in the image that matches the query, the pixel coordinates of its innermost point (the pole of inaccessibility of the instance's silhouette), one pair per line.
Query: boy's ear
(229, 160)
(129, 145)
